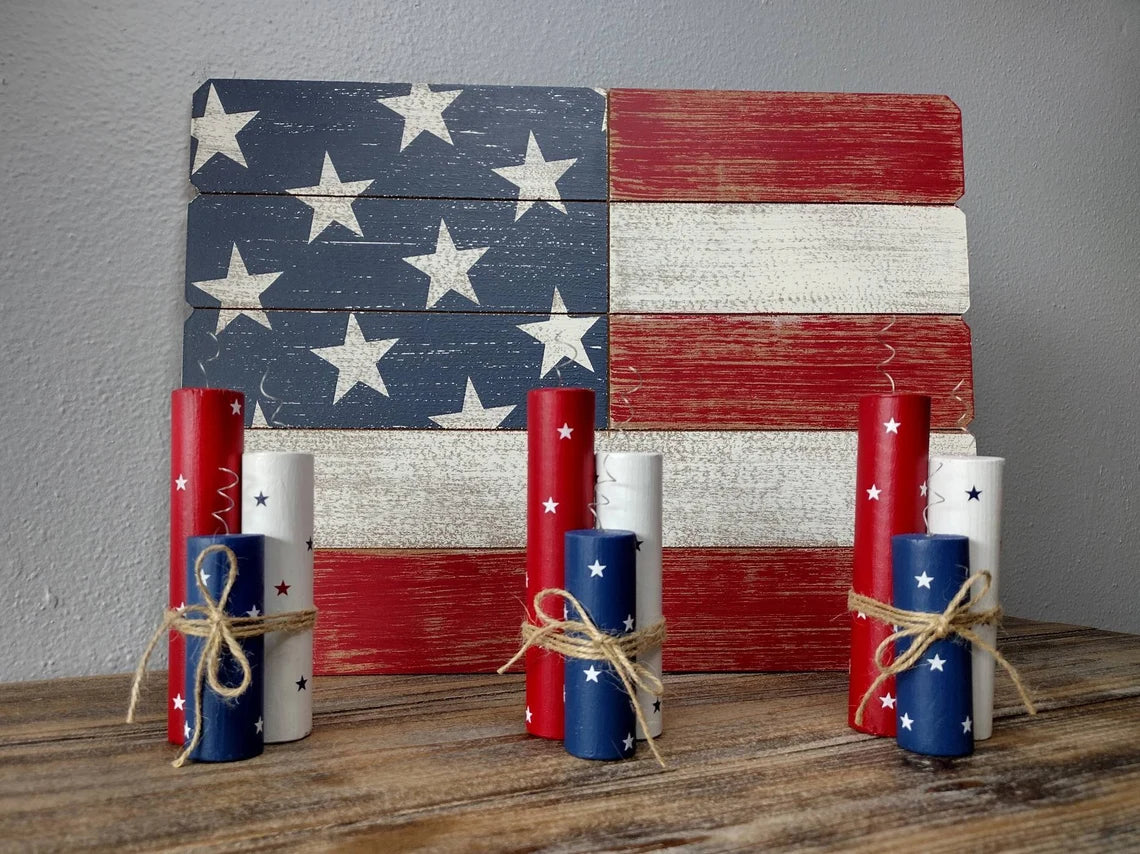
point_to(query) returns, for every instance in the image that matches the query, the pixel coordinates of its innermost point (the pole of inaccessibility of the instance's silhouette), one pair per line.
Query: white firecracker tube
(277, 501)
(964, 497)
(629, 498)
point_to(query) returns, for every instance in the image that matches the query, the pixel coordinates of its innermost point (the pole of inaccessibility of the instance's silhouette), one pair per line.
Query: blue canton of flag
(374, 256)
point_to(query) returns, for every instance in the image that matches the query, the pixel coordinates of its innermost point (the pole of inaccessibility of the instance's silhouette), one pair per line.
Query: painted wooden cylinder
(934, 707)
(965, 498)
(232, 729)
(277, 501)
(629, 498)
(601, 573)
(206, 431)
(560, 490)
(890, 495)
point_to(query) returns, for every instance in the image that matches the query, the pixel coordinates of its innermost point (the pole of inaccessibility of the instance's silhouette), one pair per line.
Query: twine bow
(222, 633)
(925, 628)
(582, 639)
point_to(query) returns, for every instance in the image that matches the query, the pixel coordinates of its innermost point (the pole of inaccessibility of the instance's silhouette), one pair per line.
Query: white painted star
(182, 606)
(448, 267)
(859, 615)
(259, 416)
(967, 725)
(924, 580)
(887, 700)
(356, 360)
(627, 742)
(235, 407)
(936, 663)
(906, 721)
(922, 488)
(564, 431)
(873, 493)
(180, 484)
(331, 200)
(179, 702)
(561, 336)
(892, 425)
(628, 623)
(537, 178)
(186, 731)
(216, 132)
(205, 577)
(473, 415)
(596, 569)
(422, 110)
(551, 505)
(238, 291)
(258, 725)
(529, 715)
(591, 674)
(253, 612)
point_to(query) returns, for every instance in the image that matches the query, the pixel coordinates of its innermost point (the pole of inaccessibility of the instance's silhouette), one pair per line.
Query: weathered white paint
(782, 258)
(437, 489)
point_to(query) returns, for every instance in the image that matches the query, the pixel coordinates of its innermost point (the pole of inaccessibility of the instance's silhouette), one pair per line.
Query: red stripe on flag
(784, 146)
(455, 611)
(783, 372)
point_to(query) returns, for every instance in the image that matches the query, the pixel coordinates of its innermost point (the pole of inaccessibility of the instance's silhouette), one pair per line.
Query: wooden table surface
(755, 762)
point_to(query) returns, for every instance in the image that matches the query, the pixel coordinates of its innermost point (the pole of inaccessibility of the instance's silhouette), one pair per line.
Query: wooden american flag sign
(386, 269)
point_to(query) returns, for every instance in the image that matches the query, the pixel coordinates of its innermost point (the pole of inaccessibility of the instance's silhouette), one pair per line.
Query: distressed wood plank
(784, 146)
(791, 259)
(727, 609)
(365, 370)
(442, 489)
(411, 255)
(273, 135)
(760, 761)
(803, 372)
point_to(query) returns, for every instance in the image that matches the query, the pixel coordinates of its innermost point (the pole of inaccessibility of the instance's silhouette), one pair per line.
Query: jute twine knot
(222, 633)
(959, 618)
(582, 639)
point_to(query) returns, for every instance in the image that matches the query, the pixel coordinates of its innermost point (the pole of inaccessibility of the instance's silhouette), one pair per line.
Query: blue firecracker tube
(934, 704)
(601, 572)
(231, 729)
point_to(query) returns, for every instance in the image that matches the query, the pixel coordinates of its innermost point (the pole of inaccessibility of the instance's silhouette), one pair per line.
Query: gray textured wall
(94, 108)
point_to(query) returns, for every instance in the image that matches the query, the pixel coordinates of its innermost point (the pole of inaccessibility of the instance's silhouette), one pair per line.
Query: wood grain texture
(440, 763)
(727, 609)
(784, 146)
(439, 489)
(445, 141)
(486, 261)
(801, 372)
(792, 259)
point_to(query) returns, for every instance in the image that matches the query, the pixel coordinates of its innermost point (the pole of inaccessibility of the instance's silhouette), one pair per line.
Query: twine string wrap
(222, 633)
(924, 628)
(583, 639)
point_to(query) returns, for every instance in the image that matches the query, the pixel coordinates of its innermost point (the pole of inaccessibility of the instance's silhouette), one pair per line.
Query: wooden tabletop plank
(441, 763)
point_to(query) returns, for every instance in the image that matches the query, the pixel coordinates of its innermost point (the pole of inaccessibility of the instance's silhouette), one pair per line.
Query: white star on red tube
(529, 715)
(235, 406)
(892, 426)
(178, 701)
(551, 505)
(873, 493)
(564, 431)
(180, 484)
(887, 700)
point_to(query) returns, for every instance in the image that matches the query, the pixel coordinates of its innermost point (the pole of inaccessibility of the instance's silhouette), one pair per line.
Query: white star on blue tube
(627, 742)
(628, 623)
(924, 580)
(596, 569)
(967, 725)
(936, 663)
(906, 721)
(592, 674)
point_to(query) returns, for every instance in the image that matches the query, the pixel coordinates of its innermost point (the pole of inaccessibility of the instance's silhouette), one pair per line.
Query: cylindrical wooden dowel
(890, 494)
(629, 498)
(934, 708)
(277, 501)
(965, 498)
(206, 431)
(601, 573)
(560, 490)
(232, 728)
